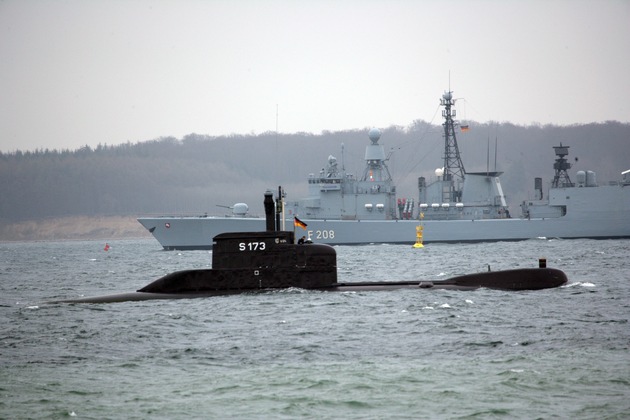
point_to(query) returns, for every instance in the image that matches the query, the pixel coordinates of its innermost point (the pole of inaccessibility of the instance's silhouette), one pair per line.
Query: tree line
(199, 173)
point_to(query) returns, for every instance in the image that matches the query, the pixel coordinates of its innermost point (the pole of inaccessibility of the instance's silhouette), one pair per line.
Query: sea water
(556, 353)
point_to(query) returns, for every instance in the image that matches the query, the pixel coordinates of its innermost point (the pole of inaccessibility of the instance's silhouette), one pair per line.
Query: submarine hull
(509, 280)
(194, 281)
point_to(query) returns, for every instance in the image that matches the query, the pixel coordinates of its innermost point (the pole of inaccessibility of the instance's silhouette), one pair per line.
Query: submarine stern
(517, 279)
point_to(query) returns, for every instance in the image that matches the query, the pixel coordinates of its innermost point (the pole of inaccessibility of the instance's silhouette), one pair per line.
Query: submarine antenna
(277, 166)
(280, 222)
(269, 219)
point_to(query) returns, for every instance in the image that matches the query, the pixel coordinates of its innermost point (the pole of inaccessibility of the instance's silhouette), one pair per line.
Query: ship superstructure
(453, 206)
(336, 194)
(584, 200)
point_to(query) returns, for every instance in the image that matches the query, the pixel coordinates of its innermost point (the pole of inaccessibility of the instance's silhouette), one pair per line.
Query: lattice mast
(453, 166)
(561, 178)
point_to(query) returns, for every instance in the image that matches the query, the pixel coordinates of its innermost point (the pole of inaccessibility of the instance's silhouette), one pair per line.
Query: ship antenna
(488, 157)
(449, 80)
(496, 140)
(343, 161)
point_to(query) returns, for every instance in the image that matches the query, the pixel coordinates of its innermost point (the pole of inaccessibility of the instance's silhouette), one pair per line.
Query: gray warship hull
(598, 212)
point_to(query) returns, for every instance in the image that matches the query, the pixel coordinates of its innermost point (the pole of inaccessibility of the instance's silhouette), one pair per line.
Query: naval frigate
(454, 206)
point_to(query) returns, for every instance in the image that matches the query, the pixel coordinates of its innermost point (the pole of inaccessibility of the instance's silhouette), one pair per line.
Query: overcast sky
(87, 72)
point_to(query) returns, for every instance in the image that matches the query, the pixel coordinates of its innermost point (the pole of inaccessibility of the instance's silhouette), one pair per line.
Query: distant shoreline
(73, 228)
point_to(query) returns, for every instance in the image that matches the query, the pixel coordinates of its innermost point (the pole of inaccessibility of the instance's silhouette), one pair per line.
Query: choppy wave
(295, 353)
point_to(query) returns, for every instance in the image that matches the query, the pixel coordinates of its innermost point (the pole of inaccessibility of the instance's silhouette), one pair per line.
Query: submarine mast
(454, 171)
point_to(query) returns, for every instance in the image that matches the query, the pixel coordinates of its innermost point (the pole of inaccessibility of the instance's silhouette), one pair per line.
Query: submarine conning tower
(243, 261)
(272, 258)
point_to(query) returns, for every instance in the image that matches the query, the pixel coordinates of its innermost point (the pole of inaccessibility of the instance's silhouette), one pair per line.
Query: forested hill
(197, 174)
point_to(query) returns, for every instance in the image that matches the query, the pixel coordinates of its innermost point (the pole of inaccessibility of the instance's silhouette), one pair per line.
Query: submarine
(246, 262)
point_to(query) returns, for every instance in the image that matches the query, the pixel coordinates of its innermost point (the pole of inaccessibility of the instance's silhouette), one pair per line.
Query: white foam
(579, 283)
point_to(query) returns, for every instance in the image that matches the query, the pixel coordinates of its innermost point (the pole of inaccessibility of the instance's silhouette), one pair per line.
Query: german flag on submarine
(298, 223)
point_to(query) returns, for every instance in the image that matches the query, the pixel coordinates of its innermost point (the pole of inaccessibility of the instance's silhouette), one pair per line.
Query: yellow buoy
(418, 243)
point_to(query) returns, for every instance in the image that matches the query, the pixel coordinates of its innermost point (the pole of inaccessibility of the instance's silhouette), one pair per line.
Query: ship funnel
(269, 212)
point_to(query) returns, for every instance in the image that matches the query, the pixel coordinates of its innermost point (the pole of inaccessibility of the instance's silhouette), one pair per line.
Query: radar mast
(453, 167)
(561, 178)
(376, 169)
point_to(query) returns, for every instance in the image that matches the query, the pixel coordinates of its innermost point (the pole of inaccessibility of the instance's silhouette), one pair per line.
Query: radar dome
(439, 172)
(374, 135)
(447, 96)
(240, 209)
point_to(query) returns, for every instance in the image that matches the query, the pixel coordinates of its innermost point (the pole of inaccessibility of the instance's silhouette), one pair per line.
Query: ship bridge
(337, 195)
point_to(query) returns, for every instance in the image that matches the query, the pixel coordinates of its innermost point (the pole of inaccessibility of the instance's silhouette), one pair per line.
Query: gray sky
(77, 72)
